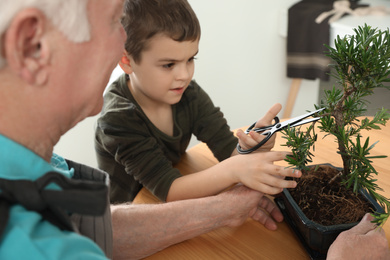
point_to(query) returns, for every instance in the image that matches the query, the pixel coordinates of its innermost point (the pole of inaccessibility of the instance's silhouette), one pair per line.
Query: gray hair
(69, 16)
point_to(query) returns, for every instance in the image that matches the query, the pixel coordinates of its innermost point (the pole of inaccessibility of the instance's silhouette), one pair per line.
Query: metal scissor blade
(305, 121)
(300, 118)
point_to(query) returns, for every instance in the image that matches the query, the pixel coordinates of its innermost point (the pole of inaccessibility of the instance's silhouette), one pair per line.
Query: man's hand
(364, 241)
(250, 203)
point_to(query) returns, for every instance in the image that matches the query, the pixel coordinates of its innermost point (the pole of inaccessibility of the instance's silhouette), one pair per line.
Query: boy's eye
(191, 59)
(169, 65)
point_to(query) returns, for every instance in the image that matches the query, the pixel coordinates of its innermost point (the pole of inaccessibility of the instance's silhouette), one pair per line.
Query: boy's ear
(125, 63)
(25, 47)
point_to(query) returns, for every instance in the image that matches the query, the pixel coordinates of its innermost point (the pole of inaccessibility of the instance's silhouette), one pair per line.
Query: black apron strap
(4, 214)
(77, 196)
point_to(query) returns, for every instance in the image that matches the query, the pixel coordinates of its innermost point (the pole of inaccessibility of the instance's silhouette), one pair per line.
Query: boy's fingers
(249, 141)
(277, 155)
(269, 116)
(245, 141)
(258, 138)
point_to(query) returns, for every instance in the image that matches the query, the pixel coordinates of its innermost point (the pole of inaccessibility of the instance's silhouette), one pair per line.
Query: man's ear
(26, 50)
(125, 63)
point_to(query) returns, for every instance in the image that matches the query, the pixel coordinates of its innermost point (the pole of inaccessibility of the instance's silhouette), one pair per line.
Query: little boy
(151, 112)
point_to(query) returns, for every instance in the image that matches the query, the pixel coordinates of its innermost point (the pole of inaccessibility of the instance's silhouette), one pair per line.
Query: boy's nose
(184, 72)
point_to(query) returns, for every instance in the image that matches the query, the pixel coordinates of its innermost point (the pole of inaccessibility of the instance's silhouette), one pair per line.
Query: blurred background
(241, 64)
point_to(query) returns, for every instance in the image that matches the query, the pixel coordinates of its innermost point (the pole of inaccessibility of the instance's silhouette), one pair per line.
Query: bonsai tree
(361, 64)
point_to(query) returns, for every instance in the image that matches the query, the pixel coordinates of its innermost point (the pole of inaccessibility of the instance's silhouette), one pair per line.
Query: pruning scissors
(268, 131)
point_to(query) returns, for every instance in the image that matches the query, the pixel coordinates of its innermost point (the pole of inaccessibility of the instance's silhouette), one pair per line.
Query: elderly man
(55, 60)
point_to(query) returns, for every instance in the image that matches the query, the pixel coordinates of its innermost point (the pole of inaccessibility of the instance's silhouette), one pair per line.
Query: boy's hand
(248, 141)
(258, 171)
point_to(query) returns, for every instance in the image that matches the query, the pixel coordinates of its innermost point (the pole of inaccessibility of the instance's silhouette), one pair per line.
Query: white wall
(241, 64)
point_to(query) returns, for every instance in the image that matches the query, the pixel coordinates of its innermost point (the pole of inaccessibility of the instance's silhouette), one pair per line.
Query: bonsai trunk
(345, 158)
(340, 123)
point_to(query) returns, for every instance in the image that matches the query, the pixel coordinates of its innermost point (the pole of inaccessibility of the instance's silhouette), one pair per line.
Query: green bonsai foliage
(361, 64)
(300, 144)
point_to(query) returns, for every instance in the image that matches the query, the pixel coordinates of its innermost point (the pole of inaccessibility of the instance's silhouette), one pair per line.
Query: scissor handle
(262, 131)
(263, 128)
(257, 146)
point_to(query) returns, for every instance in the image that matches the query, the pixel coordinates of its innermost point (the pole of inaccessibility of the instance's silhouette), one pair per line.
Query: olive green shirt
(136, 153)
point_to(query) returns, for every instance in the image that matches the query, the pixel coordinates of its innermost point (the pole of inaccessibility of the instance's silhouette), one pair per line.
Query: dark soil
(328, 203)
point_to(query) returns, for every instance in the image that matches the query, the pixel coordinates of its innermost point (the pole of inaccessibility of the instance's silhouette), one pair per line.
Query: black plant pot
(316, 238)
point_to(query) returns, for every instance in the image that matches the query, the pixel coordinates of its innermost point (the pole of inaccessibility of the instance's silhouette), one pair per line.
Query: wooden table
(252, 240)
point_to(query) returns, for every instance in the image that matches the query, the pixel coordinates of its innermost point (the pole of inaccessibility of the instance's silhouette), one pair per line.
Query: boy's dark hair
(143, 19)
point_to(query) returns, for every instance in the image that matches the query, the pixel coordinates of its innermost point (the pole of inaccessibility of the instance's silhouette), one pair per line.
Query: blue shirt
(27, 235)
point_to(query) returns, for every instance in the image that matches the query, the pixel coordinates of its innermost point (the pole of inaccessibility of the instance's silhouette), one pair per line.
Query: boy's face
(164, 72)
